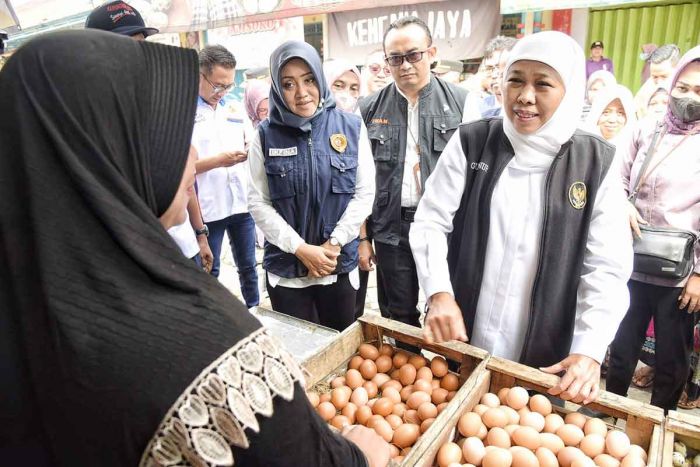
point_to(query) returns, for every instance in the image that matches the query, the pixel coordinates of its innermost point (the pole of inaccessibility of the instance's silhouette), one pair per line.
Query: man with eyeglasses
(222, 172)
(409, 124)
(494, 63)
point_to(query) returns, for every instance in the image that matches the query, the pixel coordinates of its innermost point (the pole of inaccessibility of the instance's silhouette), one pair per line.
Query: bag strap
(650, 152)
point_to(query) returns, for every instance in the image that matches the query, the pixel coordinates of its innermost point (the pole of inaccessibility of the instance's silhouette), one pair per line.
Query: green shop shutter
(624, 30)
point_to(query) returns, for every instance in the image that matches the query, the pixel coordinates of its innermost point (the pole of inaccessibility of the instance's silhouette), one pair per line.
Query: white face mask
(345, 102)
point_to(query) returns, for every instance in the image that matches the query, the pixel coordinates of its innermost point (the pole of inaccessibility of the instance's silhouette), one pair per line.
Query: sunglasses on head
(375, 68)
(411, 57)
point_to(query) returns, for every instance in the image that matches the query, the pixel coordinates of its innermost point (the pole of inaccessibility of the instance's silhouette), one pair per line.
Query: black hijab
(103, 322)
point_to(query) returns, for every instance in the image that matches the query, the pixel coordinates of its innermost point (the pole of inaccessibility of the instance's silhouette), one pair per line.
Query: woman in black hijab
(114, 348)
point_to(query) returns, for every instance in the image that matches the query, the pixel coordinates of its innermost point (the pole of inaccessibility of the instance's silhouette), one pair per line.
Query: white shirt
(185, 237)
(222, 191)
(281, 234)
(512, 253)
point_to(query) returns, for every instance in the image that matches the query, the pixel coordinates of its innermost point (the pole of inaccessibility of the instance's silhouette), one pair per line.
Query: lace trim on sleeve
(212, 413)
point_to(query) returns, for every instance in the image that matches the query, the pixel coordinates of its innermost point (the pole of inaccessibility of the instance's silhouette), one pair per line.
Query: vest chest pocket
(280, 180)
(343, 173)
(443, 129)
(381, 138)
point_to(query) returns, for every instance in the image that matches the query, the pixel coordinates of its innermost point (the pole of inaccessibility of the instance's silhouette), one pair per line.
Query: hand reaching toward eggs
(580, 383)
(376, 450)
(444, 320)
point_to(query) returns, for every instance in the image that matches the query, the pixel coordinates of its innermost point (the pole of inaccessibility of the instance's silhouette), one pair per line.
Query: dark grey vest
(385, 113)
(583, 160)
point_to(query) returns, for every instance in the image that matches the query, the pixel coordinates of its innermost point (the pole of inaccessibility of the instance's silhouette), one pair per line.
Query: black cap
(118, 17)
(597, 44)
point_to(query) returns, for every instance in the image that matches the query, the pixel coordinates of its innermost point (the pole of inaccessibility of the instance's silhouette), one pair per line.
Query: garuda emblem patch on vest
(577, 195)
(339, 142)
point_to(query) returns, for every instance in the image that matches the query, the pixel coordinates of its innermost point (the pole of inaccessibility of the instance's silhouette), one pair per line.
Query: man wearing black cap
(121, 18)
(597, 61)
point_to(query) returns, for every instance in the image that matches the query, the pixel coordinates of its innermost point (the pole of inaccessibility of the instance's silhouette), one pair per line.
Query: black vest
(385, 113)
(583, 160)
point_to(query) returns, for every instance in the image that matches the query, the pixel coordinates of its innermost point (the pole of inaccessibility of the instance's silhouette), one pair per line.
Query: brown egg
(425, 424)
(372, 421)
(435, 383)
(326, 410)
(592, 445)
(355, 362)
(427, 410)
(438, 366)
(368, 351)
(386, 349)
(383, 406)
(575, 418)
(570, 434)
(638, 451)
(380, 378)
(406, 392)
(483, 431)
(540, 404)
(350, 410)
(424, 373)
(395, 375)
(450, 395)
(441, 406)
(368, 369)
(473, 450)
(423, 385)
(438, 396)
(595, 426)
(338, 381)
(583, 462)
(502, 394)
(394, 421)
(468, 424)
(359, 397)
(481, 409)
(552, 423)
(527, 437)
(325, 397)
(393, 394)
(498, 437)
(399, 409)
(497, 458)
(392, 384)
(517, 397)
(362, 415)
(384, 363)
(523, 457)
(513, 417)
(606, 460)
(370, 403)
(353, 379)
(524, 411)
(340, 421)
(552, 442)
(546, 458)
(494, 417)
(532, 419)
(407, 374)
(394, 451)
(411, 416)
(400, 358)
(384, 430)
(371, 389)
(406, 434)
(617, 444)
(449, 453)
(632, 460)
(568, 455)
(313, 399)
(340, 397)
(416, 399)
(450, 382)
(510, 429)
(418, 361)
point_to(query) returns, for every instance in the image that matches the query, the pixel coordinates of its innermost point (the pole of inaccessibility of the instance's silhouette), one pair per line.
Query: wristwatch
(203, 231)
(334, 241)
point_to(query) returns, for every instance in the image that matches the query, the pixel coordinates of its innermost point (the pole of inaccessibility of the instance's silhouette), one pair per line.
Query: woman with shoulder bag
(661, 173)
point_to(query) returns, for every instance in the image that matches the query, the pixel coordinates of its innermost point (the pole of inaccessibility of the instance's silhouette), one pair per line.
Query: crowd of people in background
(513, 199)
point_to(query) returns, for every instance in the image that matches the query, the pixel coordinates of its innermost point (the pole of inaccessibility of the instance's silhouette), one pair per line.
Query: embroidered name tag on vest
(283, 152)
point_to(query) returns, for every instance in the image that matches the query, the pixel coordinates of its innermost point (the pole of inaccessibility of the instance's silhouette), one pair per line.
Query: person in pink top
(669, 197)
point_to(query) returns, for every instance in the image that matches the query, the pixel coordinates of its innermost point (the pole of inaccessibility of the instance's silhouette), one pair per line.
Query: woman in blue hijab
(312, 177)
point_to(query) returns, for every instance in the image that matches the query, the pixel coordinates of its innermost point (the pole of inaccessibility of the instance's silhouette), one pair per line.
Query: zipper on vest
(312, 186)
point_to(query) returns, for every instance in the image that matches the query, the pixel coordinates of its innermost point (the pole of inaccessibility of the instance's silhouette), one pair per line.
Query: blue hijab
(279, 112)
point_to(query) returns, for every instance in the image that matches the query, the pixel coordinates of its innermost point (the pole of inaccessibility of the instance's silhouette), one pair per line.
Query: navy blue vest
(311, 184)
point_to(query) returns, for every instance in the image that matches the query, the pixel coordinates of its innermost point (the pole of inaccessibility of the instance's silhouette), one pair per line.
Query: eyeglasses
(218, 88)
(375, 68)
(411, 57)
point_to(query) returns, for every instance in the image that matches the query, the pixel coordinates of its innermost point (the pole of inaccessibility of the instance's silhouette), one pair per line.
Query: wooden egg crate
(681, 427)
(643, 422)
(332, 361)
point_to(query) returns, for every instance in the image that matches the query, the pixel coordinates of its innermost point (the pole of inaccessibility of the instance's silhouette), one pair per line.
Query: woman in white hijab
(597, 82)
(539, 253)
(612, 115)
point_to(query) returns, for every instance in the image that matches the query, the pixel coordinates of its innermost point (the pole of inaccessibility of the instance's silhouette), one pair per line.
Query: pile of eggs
(391, 391)
(512, 429)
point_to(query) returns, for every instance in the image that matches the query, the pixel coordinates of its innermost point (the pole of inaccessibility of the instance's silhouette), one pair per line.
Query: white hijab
(602, 101)
(562, 53)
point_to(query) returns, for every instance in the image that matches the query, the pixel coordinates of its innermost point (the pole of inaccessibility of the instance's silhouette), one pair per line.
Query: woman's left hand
(690, 297)
(580, 383)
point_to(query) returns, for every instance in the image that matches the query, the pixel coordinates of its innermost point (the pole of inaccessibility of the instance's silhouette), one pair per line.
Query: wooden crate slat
(333, 355)
(682, 427)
